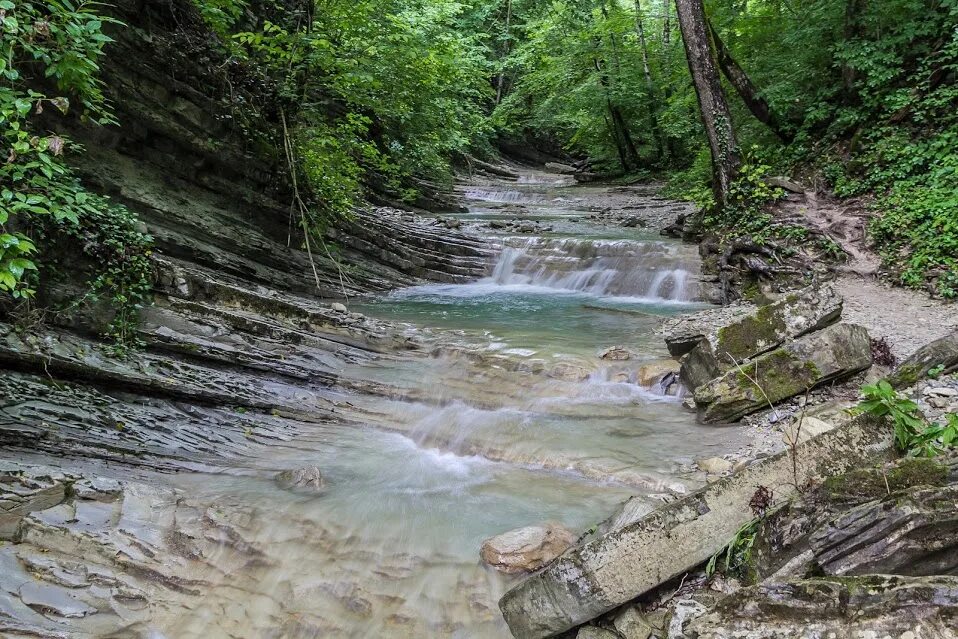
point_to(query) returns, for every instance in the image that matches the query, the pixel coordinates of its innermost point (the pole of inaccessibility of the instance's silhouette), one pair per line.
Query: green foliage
(375, 92)
(737, 554)
(746, 211)
(913, 434)
(57, 45)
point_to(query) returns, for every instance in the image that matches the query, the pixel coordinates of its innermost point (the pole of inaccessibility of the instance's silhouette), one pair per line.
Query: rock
(616, 568)
(564, 169)
(651, 374)
(309, 478)
(758, 332)
(913, 533)
(569, 372)
(526, 549)
(834, 353)
(594, 632)
(630, 624)
(940, 354)
(338, 307)
(684, 611)
(876, 606)
(786, 183)
(802, 429)
(684, 332)
(945, 391)
(616, 354)
(715, 465)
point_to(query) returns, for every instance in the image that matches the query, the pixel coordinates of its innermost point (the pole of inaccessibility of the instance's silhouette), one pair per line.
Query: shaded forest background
(387, 99)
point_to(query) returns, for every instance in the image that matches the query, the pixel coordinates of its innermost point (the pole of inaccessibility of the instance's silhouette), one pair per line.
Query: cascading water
(619, 268)
(510, 418)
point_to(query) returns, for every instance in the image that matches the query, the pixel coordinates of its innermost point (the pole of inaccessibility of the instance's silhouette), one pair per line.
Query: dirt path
(906, 318)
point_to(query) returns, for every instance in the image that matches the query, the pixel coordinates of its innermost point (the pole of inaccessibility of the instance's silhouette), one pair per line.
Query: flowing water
(509, 419)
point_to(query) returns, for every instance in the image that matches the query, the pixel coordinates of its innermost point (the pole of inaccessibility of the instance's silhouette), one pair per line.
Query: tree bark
(747, 90)
(716, 116)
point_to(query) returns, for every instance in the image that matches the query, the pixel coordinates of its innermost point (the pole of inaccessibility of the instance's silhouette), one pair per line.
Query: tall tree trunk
(716, 116)
(502, 72)
(650, 85)
(666, 23)
(628, 155)
(617, 117)
(747, 90)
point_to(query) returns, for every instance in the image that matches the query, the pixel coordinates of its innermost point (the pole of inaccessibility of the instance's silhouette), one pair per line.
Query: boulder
(526, 549)
(868, 606)
(558, 167)
(307, 479)
(338, 307)
(616, 354)
(631, 624)
(766, 328)
(652, 373)
(594, 632)
(834, 353)
(940, 354)
(615, 568)
(569, 372)
(683, 333)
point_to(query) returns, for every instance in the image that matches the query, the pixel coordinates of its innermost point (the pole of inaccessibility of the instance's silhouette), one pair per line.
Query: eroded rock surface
(866, 606)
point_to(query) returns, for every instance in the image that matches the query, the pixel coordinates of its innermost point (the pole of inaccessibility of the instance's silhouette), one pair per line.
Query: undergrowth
(57, 45)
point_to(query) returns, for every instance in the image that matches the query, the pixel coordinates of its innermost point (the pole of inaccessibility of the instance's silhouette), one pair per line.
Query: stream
(504, 416)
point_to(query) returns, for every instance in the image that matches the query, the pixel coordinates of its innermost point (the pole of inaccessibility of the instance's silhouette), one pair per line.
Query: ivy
(56, 45)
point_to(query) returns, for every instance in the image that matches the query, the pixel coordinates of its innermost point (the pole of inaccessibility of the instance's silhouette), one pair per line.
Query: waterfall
(615, 268)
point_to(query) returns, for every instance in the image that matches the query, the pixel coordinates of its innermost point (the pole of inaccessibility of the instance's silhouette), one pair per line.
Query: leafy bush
(913, 434)
(41, 197)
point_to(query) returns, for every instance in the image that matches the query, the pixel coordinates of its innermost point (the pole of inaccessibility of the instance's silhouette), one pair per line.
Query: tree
(747, 90)
(650, 85)
(713, 105)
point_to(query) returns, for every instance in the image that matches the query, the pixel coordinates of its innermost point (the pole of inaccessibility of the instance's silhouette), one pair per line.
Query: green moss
(780, 375)
(874, 483)
(741, 340)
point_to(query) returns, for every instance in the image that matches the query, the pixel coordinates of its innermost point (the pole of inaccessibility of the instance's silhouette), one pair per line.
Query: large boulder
(625, 563)
(867, 606)
(760, 331)
(805, 363)
(526, 549)
(940, 354)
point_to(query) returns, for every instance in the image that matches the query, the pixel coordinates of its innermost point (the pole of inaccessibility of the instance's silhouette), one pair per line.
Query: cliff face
(212, 194)
(237, 317)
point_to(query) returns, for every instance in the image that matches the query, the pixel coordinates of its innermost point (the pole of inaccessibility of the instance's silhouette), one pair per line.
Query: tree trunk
(712, 103)
(650, 85)
(628, 155)
(666, 23)
(852, 30)
(747, 90)
(502, 72)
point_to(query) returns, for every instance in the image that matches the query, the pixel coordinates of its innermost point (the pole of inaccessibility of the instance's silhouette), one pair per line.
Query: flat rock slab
(808, 362)
(592, 579)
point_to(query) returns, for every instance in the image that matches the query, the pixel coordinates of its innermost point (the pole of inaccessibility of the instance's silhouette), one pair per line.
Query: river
(507, 417)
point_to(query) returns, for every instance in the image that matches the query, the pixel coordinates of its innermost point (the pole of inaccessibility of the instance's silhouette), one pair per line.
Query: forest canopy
(388, 98)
